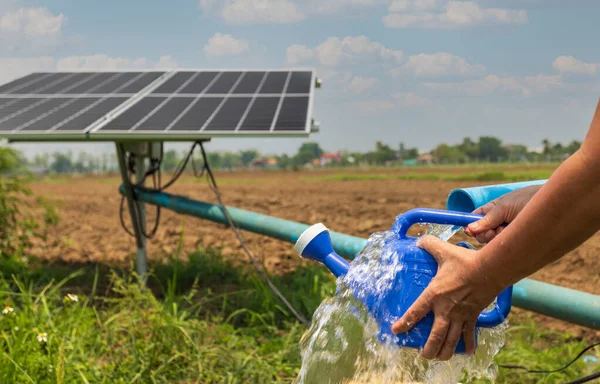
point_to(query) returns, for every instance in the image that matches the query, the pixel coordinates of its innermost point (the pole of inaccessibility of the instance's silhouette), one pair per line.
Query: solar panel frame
(94, 131)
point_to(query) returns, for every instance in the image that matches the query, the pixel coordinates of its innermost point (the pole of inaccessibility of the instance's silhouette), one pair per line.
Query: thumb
(492, 220)
(438, 248)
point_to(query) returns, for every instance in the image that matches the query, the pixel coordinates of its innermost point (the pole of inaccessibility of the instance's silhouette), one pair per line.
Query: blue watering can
(419, 268)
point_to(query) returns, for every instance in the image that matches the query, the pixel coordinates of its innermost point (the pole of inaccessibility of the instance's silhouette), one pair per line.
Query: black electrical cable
(527, 370)
(153, 171)
(215, 189)
(578, 381)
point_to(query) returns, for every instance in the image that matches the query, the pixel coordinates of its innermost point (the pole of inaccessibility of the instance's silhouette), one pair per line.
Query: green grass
(202, 321)
(496, 176)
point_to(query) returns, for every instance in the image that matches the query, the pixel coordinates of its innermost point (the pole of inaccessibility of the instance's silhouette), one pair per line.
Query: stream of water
(342, 345)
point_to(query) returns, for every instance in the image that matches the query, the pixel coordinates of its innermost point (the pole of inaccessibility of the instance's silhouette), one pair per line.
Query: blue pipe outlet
(552, 300)
(469, 199)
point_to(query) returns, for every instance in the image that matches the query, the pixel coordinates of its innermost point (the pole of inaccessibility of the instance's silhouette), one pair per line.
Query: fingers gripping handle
(500, 312)
(435, 216)
(503, 303)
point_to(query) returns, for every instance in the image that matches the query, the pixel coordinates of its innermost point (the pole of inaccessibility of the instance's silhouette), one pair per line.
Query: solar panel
(174, 105)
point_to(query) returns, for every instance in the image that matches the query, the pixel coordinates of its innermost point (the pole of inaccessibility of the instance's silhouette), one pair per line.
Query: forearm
(560, 216)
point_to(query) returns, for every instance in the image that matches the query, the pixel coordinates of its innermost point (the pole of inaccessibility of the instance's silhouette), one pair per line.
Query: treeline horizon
(485, 149)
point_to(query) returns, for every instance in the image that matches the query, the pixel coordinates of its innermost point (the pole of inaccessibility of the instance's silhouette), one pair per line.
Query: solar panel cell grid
(22, 116)
(199, 112)
(300, 82)
(68, 84)
(81, 120)
(207, 102)
(163, 117)
(17, 83)
(249, 83)
(224, 83)
(261, 114)
(199, 83)
(274, 83)
(174, 82)
(39, 86)
(54, 116)
(114, 83)
(229, 115)
(292, 116)
(93, 83)
(133, 115)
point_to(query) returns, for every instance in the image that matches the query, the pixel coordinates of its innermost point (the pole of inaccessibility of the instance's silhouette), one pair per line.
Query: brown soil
(89, 228)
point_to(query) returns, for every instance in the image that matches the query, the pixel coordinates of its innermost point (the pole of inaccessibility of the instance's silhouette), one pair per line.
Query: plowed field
(89, 229)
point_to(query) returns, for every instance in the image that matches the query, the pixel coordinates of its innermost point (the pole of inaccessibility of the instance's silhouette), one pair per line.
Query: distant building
(38, 170)
(264, 163)
(426, 159)
(328, 158)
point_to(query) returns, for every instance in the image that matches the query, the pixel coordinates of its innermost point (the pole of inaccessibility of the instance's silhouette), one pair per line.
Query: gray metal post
(139, 237)
(141, 260)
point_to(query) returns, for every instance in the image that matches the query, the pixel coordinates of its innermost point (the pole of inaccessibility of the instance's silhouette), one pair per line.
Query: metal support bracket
(142, 151)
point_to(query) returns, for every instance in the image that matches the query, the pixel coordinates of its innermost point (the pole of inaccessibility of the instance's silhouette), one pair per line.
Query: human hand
(457, 295)
(501, 210)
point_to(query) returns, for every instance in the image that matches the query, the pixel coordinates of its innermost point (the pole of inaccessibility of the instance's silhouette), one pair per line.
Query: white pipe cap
(308, 235)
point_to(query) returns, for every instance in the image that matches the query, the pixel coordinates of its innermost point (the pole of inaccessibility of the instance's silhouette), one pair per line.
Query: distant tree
(170, 160)
(573, 147)
(230, 160)
(411, 153)
(62, 163)
(382, 154)
(283, 161)
(445, 153)
(469, 148)
(491, 149)
(214, 159)
(246, 157)
(307, 152)
(547, 147)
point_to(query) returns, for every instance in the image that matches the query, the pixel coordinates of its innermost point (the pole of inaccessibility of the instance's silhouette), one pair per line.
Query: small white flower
(16, 328)
(72, 297)
(8, 309)
(42, 337)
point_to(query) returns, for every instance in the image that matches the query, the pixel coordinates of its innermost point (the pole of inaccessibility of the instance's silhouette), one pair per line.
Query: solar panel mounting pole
(139, 234)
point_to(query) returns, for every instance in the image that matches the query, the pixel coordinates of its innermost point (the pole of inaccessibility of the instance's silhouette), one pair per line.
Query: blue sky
(420, 72)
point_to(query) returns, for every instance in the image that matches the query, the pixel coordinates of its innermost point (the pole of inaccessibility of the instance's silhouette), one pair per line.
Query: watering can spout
(315, 244)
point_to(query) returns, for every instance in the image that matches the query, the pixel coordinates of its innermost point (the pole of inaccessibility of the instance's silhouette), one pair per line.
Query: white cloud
(493, 83)
(254, 11)
(438, 64)
(542, 83)
(372, 106)
(331, 6)
(454, 14)
(410, 100)
(569, 64)
(400, 100)
(296, 54)
(362, 84)
(337, 51)
(226, 45)
(166, 62)
(100, 62)
(12, 68)
(414, 5)
(29, 29)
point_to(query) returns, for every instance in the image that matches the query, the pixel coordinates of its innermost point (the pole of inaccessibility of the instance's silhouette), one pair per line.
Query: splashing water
(342, 345)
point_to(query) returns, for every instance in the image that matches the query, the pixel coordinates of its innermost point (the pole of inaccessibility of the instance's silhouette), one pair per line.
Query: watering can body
(418, 269)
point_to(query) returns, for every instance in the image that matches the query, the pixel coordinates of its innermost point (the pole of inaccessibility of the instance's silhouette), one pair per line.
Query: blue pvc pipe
(469, 199)
(285, 230)
(552, 300)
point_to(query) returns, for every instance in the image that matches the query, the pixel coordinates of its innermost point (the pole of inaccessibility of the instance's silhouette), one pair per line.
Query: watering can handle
(503, 303)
